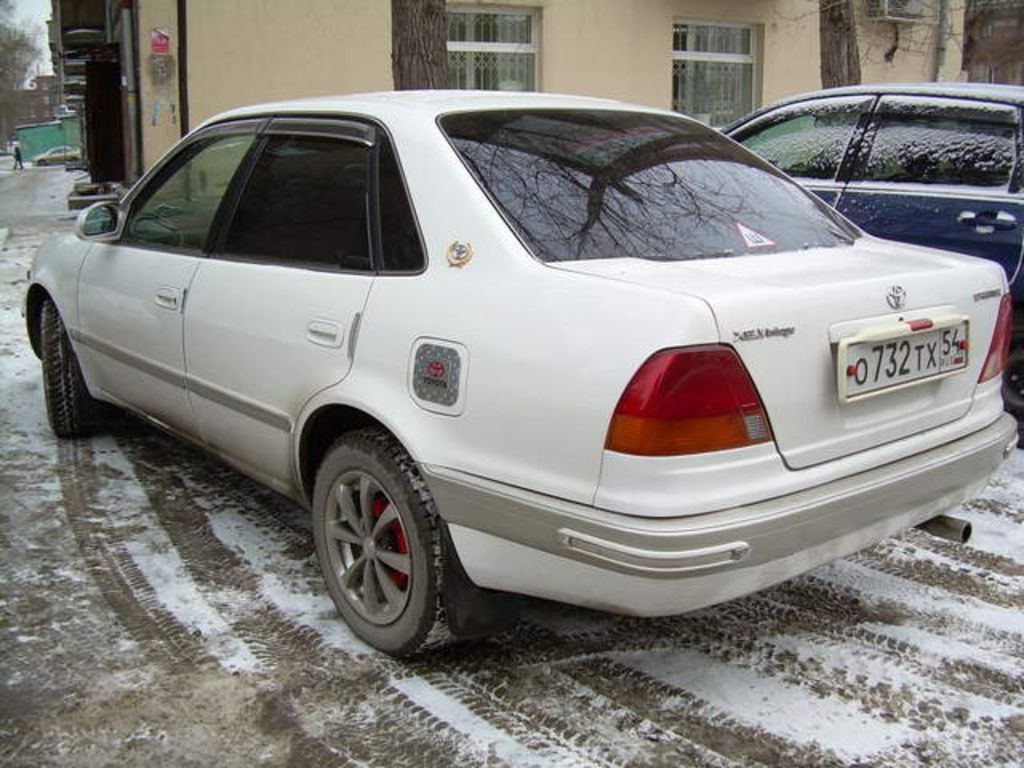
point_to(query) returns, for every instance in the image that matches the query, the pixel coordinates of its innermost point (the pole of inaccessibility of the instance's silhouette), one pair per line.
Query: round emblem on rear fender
(897, 297)
(459, 254)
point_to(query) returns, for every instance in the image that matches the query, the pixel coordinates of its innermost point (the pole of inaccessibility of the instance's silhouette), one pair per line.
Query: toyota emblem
(897, 297)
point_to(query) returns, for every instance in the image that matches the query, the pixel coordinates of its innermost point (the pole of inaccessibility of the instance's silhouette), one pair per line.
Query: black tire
(1013, 382)
(369, 502)
(72, 411)
(1013, 388)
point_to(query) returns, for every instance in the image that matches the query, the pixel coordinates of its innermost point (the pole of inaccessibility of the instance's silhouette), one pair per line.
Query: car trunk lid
(787, 316)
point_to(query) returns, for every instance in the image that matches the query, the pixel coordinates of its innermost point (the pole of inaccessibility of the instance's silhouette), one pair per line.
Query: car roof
(425, 104)
(1005, 94)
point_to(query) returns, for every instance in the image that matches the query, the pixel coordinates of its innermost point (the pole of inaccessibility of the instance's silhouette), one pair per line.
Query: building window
(492, 50)
(713, 71)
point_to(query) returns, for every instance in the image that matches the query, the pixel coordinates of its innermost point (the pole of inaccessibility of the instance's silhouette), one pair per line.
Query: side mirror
(100, 222)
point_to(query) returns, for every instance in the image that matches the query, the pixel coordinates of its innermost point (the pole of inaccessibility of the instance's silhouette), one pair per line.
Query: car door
(809, 140)
(272, 315)
(940, 172)
(132, 292)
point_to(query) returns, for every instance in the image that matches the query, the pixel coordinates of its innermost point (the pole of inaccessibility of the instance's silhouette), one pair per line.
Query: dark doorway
(104, 123)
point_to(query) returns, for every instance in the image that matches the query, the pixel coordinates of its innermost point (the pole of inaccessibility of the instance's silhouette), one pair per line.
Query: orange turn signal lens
(688, 400)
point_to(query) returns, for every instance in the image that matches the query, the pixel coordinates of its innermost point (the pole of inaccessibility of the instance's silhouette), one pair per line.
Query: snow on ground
(156, 608)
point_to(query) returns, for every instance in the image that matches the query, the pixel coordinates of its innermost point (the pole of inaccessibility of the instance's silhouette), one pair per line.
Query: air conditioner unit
(900, 10)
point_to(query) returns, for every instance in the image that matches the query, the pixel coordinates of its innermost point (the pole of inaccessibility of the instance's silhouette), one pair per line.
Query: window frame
(851, 151)
(343, 128)
(851, 229)
(753, 58)
(857, 163)
(158, 175)
(466, 46)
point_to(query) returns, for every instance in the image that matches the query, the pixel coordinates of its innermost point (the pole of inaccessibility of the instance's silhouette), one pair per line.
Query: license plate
(895, 356)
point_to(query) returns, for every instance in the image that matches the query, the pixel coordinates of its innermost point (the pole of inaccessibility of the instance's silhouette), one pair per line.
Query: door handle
(325, 333)
(987, 222)
(167, 297)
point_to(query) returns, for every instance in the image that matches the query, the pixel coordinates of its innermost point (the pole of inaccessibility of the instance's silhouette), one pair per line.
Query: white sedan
(507, 343)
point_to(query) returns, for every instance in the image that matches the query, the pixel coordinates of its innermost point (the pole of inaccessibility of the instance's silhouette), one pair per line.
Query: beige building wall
(159, 111)
(247, 51)
(622, 49)
(905, 53)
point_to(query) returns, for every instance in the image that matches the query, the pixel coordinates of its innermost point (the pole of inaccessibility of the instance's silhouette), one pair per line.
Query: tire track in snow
(128, 515)
(583, 642)
(977, 559)
(114, 572)
(677, 710)
(185, 518)
(959, 665)
(242, 546)
(559, 717)
(503, 733)
(741, 633)
(401, 720)
(909, 561)
(932, 605)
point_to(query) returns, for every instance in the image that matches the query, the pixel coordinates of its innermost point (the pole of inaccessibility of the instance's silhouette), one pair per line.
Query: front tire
(378, 543)
(71, 410)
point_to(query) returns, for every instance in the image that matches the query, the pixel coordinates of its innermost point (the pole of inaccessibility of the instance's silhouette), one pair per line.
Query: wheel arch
(35, 298)
(319, 431)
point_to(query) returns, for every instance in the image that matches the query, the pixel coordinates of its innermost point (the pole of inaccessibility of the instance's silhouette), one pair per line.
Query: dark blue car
(933, 164)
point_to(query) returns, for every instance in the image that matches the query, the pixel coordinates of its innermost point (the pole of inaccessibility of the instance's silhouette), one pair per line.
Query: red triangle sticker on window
(754, 239)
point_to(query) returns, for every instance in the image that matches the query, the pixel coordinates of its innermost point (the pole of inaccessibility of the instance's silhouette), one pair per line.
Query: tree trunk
(419, 51)
(840, 55)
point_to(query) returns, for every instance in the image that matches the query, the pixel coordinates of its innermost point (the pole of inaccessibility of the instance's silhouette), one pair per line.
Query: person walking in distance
(18, 164)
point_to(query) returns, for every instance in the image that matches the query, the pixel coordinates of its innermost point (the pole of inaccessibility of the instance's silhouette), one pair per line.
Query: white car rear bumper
(515, 540)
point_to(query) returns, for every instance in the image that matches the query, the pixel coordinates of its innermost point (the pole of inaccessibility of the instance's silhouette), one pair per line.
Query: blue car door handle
(987, 222)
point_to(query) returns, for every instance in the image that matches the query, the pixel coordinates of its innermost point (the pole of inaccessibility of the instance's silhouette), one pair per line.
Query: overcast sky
(34, 14)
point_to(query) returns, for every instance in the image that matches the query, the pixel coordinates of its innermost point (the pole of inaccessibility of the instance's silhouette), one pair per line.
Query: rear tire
(379, 544)
(71, 410)
(1013, 386)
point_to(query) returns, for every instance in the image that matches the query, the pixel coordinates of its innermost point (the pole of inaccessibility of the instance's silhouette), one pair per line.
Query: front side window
(579, 184)
(926, 142)
(178, 210)
(305, 205)
(808, 140)
(713, 71)
(492, 50)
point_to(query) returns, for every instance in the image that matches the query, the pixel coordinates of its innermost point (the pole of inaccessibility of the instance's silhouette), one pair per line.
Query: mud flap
(473, 612)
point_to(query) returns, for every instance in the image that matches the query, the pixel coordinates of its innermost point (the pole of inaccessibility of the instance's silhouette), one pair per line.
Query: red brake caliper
(397, 537)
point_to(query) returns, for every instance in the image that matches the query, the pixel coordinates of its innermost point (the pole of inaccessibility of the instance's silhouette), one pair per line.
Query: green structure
(36, 139)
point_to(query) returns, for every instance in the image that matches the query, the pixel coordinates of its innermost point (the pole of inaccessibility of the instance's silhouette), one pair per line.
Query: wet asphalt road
(157, 608)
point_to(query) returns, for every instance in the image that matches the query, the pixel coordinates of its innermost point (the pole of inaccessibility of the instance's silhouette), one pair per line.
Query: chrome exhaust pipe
(948, 527)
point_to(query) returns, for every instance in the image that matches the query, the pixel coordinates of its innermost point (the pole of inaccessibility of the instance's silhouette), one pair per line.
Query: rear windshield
(604, 184)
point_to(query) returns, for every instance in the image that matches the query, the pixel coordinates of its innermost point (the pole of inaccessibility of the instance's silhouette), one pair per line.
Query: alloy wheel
(368, 548)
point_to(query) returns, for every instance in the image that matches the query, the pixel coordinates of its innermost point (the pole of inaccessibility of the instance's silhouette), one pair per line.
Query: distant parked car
(929, 164)
(57, 155)
(547, 345)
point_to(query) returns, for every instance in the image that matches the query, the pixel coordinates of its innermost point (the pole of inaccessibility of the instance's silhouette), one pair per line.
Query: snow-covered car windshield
(608, 184)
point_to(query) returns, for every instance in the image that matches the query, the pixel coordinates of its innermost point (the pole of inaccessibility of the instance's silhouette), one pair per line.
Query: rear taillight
(688, 400)
(999, 349)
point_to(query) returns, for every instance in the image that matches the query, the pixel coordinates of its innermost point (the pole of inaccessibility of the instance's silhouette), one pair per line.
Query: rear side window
(580, 184)
(305, 205)
(808, 141)
(400, 238)
(928, 142)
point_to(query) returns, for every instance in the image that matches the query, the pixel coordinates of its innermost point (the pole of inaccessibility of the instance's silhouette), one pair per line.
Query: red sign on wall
(159, 41)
